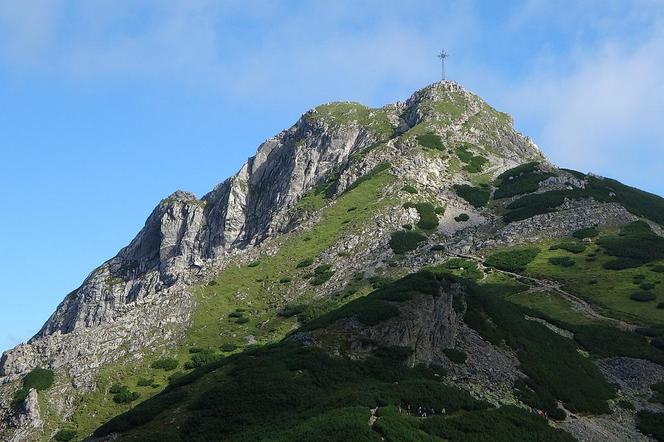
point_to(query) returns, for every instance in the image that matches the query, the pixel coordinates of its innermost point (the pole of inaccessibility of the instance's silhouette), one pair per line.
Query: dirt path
(546, 285)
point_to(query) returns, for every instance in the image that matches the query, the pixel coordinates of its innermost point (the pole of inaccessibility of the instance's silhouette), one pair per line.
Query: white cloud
(604, 111)
(254, 50)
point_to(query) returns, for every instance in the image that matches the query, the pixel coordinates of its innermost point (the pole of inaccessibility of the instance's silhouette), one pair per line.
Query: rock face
(426, 324)
(27, 417)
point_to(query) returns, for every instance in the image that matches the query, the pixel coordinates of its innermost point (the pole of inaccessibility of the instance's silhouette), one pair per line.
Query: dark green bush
(622, 264)
(472, 163)
(535, 204)
(430, 141)
(322, 274)
(456, 356)
(305, 263)
(124, 395)
(228, 347)
(588, 232)
(144, 382)
(647, 286)
(201, 359)
(660, 305)
(410, 189)
(65, 435)
(658, 268)
(556, 370)
(557, 414)
(405, 241)
(658, 342)
(428, 218)
(38, 378)
(573, 247)
(476, 196)
(440, 210)
(651, 424)
(524, 183)
(504, 424)
(407, 226)
(636, 241)
(284, 280)
(166, 364)
(242, 320)
(514, 172)
(512, 260)
(438, 248)
(642, 296)
(234, 314)
(461, 218)
(564, 261)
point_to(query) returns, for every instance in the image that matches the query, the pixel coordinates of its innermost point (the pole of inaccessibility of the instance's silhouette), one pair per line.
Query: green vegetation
(504, 424)
(305, 263)
(428, 217)
(322, 274)
(564, 261)
(166, 364)
(343, 113)
(381, 167)
(405, 241)
(631, 241)
(456, 356)
(601, 189)
(288, 392)
(144, 382)
(38, 378)
(65, 435)
(651, 424)
(512, 260)
(410, 189)
(621, 264)
(522, 169)
(555, 369)
(642, 296)
(589, 232)
(472, 163)
(573, 247)
(378, 305)
(535, 204)
(462, 218)
(122, 394)
(430, 141)
(526, 183)
(476, 196)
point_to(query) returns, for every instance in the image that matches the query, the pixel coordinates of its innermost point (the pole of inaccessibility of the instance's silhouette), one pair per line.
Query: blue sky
(107, 106)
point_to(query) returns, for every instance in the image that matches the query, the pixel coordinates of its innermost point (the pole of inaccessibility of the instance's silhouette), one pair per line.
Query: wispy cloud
(254, 50)
(604, 111)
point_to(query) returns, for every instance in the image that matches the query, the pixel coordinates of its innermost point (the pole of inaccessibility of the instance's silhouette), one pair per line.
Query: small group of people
(420, 411)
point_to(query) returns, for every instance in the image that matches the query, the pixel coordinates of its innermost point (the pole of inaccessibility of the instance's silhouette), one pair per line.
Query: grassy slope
(287, 392)
(610, 289)
(211, 325)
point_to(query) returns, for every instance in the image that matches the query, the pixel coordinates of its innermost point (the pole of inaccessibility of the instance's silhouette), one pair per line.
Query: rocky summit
(417, 272)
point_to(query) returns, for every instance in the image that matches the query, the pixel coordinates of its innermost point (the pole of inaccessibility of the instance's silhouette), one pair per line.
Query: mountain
(415, 272)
